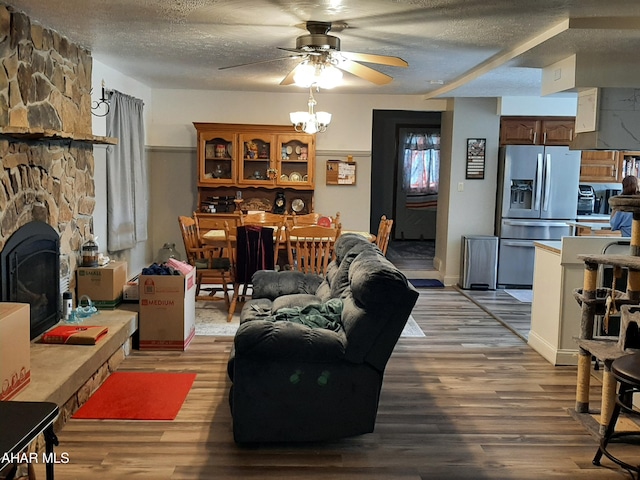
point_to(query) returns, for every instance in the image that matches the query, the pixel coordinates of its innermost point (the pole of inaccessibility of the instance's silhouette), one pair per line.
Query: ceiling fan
(320, 51)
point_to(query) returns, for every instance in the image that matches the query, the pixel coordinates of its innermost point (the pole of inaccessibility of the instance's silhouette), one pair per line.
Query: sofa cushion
(272, 284)
(266, 340)
(375, 282)
(294, 300)
(340, 280)
(378, 293)
(346, 242)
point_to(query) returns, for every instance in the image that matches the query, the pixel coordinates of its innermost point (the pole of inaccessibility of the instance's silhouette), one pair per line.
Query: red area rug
(138, 396)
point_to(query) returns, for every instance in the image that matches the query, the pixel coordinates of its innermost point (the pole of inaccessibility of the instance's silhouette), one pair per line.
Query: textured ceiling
(482, 47)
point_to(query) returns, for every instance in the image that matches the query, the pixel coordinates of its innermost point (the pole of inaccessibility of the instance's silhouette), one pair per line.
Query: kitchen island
(555, 313)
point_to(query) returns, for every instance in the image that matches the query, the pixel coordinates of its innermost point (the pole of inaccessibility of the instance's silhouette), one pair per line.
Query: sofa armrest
(268, 340)
(271, 284)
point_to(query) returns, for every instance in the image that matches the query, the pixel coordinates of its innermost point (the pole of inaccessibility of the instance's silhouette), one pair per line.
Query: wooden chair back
(191, 239)
(206, 222)
(384, 233)
(268, 219)
(311, 248)
(262, 218)
(305, 219)
(215, 266)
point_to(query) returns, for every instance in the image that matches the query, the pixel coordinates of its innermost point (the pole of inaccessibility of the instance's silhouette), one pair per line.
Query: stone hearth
(68, 374)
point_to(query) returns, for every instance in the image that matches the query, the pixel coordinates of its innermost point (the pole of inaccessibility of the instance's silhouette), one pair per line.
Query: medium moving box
(103, 285)
(15, 348)
(167, 311)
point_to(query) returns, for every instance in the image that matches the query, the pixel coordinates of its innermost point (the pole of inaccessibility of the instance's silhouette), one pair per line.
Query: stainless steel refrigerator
(537, 195)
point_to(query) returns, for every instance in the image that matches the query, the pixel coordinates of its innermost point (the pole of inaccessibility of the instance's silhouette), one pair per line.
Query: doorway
(412, 244)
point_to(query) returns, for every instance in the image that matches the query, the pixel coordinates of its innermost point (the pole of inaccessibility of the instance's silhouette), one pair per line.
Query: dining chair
(311, 248)
(212, 270)
(206, 223)
(384, 233)
(255, 247)
(305, 219)
(267, 219)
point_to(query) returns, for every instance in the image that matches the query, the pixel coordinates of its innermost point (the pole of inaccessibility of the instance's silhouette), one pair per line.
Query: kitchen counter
(555, 313)
(553, 246)
(582, 228)
(596, 217)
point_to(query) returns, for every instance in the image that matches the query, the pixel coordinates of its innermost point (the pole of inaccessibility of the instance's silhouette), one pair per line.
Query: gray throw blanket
(316, 315)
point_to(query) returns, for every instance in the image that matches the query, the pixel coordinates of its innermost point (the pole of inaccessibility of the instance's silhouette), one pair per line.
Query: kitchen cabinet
(600, 166)
(249, 162)
(536, 130)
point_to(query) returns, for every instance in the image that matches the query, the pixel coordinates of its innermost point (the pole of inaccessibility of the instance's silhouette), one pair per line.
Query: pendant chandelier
(310, 121)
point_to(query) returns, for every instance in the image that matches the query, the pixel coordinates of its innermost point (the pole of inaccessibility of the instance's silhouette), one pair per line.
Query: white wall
(348, 134)
(171, 142)
(564, 106)
(468, 206)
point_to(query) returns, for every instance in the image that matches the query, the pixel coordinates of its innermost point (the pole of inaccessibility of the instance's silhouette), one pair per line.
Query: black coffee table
(20, 424)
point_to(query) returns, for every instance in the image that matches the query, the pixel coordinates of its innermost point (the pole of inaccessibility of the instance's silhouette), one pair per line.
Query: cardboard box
(15, 348)
(130, 291)
(167, 311)
(103, 285)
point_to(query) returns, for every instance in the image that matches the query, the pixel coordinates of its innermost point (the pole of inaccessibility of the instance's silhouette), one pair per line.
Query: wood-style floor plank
(471, 400)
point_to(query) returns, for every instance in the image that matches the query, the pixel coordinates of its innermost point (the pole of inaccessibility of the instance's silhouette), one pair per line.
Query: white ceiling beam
(500, 59)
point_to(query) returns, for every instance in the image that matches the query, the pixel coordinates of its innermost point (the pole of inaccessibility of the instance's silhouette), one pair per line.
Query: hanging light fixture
(310, 121)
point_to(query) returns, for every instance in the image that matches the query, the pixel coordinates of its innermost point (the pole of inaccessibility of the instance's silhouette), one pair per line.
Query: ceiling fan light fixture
(305, 75)
(329, 77)
(320, 74)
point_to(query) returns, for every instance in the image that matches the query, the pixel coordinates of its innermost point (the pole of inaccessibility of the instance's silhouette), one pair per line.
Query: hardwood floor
(513, 314)
(470, 400)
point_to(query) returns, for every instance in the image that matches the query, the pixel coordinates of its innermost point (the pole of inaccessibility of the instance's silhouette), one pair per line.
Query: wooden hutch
(244, 167)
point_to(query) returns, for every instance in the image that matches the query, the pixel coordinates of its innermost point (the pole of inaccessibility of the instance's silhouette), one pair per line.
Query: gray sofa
(310, 353)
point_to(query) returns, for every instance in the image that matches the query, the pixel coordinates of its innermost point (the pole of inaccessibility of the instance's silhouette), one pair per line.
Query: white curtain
(421, 175)
(126, 174)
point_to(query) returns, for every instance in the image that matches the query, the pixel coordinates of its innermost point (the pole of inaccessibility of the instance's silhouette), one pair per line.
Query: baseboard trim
(553, 355)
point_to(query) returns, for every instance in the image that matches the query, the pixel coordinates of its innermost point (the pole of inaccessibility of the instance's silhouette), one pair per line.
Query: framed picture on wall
(475, 158)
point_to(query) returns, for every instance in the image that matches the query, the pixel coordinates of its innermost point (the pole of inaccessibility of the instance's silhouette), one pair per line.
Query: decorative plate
(298, 149)
(289, 149)
(305, 178)
(284, 177)
(297, 205)
(209, 151)
(230, 149)
(295, 177)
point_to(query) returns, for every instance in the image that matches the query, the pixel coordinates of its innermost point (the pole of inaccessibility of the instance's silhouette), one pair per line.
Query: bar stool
(626, 370)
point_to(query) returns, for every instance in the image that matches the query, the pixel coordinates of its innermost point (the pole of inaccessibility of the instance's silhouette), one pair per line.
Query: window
(421, 163)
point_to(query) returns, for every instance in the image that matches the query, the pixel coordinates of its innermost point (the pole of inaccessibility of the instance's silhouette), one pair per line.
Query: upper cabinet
(537, 130)
(267, 156)
(608, 166)
(216, 159)
(600, 166)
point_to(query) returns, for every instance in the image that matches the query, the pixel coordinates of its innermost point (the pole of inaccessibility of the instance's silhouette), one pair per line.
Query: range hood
(607, 119)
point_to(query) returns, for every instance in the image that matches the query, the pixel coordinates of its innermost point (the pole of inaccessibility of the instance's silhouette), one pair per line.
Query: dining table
(216, 238)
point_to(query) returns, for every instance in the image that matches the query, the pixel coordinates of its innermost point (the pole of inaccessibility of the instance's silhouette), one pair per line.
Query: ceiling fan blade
(288, 80)
(370, 58)
(299, 52)
(367, 73)
(259, 62)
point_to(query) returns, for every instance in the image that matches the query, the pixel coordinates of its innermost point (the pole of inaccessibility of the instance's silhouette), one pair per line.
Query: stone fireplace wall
(45, 105)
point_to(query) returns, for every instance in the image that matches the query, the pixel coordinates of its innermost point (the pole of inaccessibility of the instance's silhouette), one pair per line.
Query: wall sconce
(96, 104)
(310, 121)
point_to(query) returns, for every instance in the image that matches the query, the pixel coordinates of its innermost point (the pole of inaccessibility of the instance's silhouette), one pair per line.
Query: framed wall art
(475, 158)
